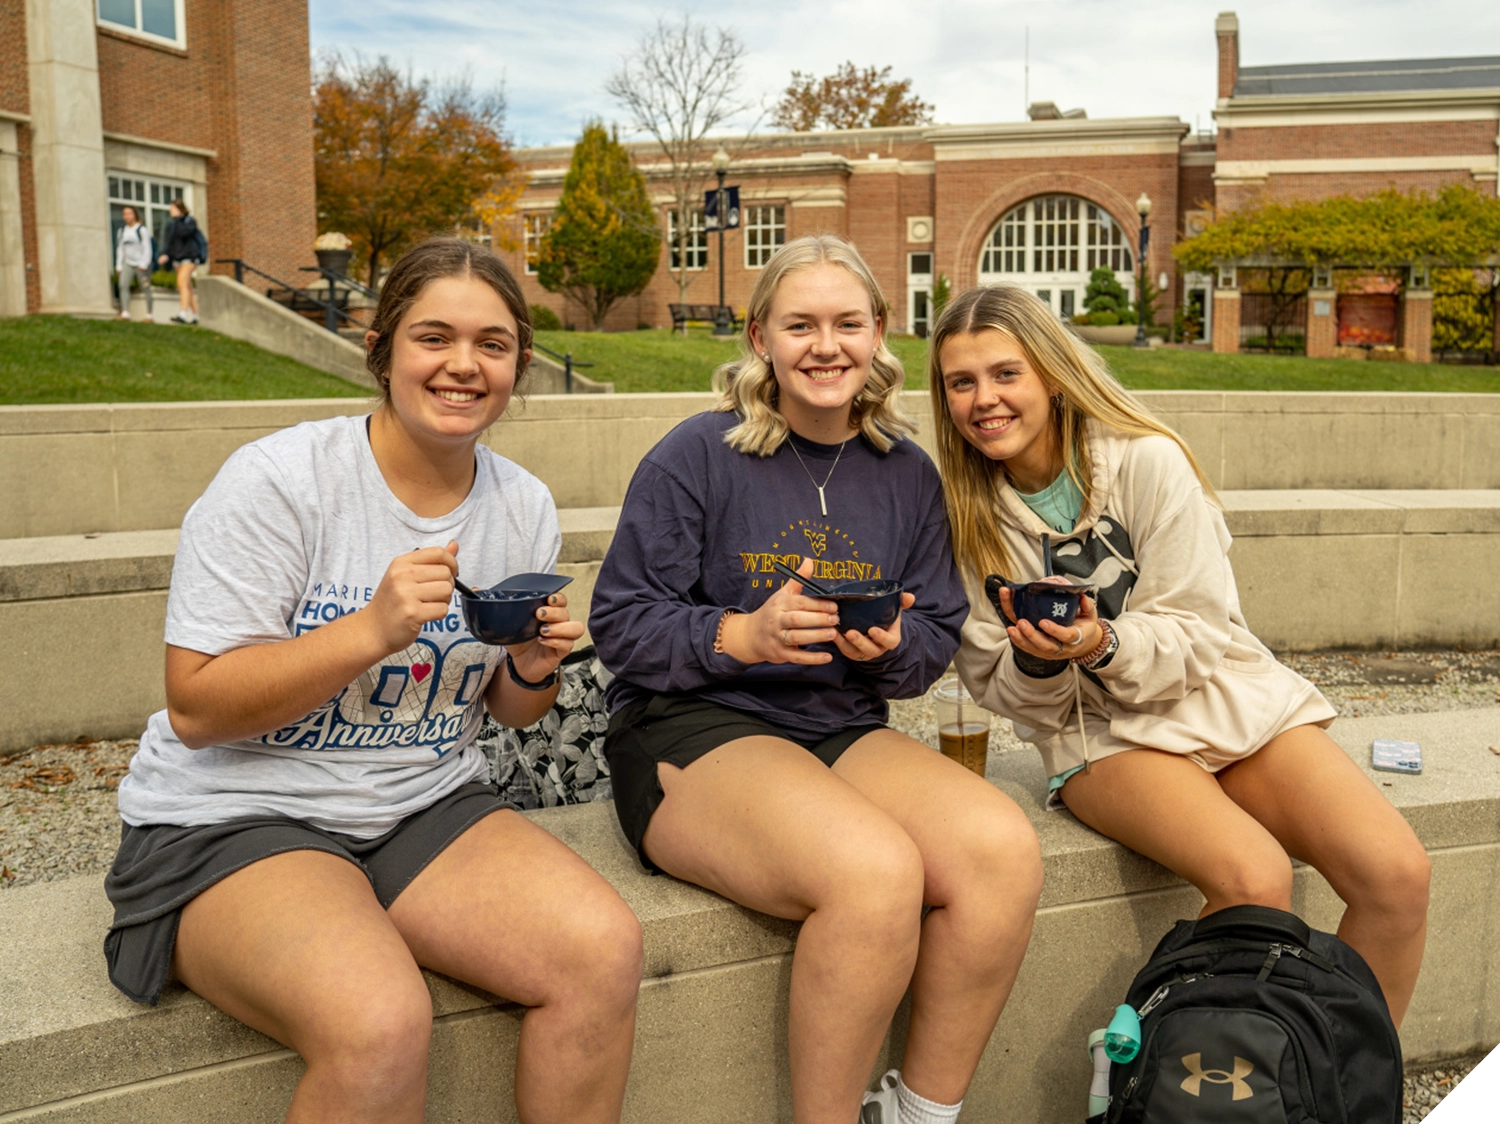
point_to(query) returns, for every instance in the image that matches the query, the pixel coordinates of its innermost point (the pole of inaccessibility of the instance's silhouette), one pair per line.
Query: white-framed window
(765, 232)
(1107, 245)
(1005, 252)
(695, 246)
(150, 197)
(157, 20)
(533, 230)
(1055, 234)
(919, 293)
(1050, 244)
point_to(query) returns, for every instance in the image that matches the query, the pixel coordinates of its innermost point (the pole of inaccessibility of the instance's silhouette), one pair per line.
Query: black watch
(541, 685)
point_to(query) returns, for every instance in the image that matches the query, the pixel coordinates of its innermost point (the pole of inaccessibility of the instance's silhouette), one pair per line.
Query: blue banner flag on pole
(731, 208)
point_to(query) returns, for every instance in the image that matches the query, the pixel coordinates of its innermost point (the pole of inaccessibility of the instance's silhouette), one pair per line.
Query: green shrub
(543, 319)
(1102, 319)
(1106, 294)
(164, 279)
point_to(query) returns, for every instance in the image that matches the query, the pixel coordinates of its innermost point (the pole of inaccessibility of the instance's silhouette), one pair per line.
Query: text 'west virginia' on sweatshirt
(699, 530)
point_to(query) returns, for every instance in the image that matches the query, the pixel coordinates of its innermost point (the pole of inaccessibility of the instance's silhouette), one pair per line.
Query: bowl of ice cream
(506, 613)
(1038, 601)
(864, 605)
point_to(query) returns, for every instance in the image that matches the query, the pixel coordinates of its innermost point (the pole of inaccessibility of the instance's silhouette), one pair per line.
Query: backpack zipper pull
(1270, 965)
(1156, 997)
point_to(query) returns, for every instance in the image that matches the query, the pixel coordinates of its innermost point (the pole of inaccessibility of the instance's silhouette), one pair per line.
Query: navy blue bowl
(865, 605)
(506, 613)
(1040, 601)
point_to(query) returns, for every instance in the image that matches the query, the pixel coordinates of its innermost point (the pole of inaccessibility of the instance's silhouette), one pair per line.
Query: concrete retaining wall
(711, 1036)
(1316, 569)
(232, 309)
(138, 467)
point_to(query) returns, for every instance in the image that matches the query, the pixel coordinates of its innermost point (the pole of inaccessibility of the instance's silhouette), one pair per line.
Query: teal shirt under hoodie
(1189, 676)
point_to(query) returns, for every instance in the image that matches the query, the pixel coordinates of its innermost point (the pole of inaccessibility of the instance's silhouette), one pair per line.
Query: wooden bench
(685, 314)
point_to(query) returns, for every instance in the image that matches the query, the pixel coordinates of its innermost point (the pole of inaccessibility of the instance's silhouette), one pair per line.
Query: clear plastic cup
(963, 725)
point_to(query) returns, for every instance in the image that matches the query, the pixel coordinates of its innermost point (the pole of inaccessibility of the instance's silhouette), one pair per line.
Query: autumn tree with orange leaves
(399, 159)
(849, 99)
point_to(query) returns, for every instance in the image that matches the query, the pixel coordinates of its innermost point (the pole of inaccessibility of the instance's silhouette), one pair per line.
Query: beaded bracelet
(719, 632)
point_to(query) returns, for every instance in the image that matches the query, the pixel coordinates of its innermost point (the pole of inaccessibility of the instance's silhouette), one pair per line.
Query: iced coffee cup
(963, 725)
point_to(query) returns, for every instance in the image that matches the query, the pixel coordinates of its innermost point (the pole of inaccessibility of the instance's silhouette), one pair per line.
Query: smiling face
(1000, 404)
(821, 334)
(453, 361)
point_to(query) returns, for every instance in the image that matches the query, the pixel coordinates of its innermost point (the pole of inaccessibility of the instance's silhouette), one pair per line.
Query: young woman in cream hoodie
(1162, 721)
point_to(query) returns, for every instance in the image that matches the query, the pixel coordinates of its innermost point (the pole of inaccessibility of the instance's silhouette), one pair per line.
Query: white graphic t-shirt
(297, 530)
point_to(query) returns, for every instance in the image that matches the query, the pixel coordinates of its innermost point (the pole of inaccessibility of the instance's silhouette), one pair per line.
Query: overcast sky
(966, 57)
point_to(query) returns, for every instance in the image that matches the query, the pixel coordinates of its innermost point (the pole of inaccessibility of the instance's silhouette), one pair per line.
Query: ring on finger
(786, 640)
(1079, 638)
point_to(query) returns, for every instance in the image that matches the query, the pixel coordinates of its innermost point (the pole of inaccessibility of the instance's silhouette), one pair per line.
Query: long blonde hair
(1081, 389)
(748, 387)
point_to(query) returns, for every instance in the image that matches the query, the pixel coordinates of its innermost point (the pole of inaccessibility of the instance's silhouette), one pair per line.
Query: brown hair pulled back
(418, 268)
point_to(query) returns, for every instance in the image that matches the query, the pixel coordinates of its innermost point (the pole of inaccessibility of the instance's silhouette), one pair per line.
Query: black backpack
(1250, 1017)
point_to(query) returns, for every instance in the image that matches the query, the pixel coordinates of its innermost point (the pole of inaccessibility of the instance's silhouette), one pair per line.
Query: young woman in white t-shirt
(309, 818)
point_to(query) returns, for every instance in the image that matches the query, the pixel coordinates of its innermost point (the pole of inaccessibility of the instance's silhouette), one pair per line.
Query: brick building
(109, 102)
(1040, 203)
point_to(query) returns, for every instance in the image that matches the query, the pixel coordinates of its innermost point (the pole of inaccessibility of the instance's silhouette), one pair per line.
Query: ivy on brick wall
(1455, 227)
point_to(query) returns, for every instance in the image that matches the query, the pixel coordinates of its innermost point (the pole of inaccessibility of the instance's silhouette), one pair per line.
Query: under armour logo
(817, 540)
(1197, 1075)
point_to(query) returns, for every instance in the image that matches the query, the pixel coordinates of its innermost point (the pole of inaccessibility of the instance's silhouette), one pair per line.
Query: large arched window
(1050, 245)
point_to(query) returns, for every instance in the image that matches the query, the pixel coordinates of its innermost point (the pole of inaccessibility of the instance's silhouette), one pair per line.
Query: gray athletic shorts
(160, 868)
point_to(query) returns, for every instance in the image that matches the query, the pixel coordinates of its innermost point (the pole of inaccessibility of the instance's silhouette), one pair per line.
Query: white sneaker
(181, 318)
(879, 1107)
(124, 315)
(146, 319)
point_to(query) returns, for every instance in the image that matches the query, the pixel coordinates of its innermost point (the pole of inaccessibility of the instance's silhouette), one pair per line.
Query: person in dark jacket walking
(183, 253)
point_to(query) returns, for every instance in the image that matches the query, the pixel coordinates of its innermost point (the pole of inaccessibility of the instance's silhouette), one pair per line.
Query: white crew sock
(919, 1110)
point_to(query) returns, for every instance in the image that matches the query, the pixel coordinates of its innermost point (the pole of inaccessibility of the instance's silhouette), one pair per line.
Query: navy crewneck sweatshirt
(699, 529)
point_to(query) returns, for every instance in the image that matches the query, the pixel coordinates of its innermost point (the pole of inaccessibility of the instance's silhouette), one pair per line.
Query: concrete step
(711, 1042)
(138, 466)
(1316, 569)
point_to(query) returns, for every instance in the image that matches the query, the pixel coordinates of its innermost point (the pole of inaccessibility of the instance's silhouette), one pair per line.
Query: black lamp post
(722, 325)
(1143, 208)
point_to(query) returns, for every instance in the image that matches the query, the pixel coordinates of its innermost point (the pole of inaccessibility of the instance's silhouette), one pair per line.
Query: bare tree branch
(681, 84)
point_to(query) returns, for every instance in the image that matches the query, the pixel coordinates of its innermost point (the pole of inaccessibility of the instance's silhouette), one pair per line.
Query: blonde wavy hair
(748, 387)
(1081, 388)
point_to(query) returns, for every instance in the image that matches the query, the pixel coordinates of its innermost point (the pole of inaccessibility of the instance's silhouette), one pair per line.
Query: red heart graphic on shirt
(420, 671)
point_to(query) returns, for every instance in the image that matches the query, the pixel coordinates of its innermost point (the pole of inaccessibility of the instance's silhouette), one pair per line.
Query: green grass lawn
(60, 359)
(661, 360)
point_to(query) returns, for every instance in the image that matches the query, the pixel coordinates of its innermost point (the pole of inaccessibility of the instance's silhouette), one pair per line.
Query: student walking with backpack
(1162, 721)
(184, 250)
(134, 257)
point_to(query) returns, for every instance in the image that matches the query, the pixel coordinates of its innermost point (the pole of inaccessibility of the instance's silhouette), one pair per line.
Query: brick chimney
(1227, 27)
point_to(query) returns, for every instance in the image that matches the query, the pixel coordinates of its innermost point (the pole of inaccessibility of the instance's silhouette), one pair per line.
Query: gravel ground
(1426, 1087)
(58, 818)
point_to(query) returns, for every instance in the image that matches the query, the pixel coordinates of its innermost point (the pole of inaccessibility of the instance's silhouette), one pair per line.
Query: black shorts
(679, 729)
(160, 868)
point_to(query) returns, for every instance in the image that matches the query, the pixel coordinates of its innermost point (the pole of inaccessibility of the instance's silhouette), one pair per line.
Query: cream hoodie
(1189, 676)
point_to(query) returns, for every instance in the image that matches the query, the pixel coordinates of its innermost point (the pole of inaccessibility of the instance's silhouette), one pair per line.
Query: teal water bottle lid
(1122, 1039)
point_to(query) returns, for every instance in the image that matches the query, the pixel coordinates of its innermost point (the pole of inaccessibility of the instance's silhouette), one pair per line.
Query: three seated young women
(309, 821)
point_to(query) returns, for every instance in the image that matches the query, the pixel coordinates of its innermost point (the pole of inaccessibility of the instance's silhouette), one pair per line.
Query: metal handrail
(342, 279)
(567, 360)
(331, 310)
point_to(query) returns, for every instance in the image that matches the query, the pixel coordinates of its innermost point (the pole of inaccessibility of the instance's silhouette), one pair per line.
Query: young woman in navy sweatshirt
(747, 741)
